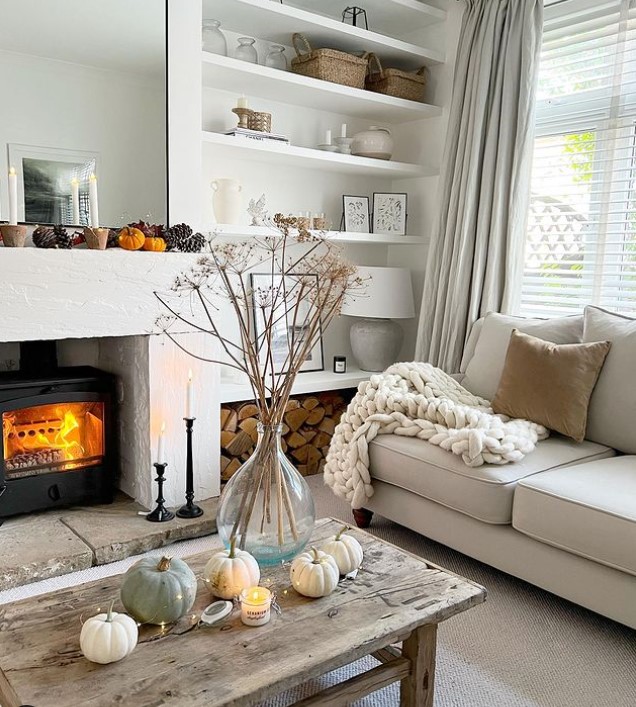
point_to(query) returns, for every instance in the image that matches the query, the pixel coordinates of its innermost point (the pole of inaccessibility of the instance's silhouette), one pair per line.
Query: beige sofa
(564, 518)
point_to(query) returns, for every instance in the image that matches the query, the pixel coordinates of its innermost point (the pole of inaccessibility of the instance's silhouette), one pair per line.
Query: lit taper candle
(92, 201)
(189, 397)
(13, 197)
(161, 451)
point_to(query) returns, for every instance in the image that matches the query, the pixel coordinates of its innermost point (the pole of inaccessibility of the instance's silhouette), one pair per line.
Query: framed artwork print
(389, 214)
(285, 332)
(356, 214)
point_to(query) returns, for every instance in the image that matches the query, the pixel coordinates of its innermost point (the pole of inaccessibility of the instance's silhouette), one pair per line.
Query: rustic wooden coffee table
(395, 597)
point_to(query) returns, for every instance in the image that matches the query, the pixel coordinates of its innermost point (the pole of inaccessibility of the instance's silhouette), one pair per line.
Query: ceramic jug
(227, 200)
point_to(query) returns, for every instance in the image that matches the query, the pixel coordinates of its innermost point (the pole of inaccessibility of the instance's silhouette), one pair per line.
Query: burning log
(27, 460)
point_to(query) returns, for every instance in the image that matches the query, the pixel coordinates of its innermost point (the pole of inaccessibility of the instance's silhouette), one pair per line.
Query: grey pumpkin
(158, 591)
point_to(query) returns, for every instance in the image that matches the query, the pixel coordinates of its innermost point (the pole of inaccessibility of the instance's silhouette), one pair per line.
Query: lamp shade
(388, 294)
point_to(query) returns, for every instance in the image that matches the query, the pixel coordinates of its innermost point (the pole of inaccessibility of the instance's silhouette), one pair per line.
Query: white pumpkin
(345, 550)
(107, 638)
(314, 574)
(231, 571)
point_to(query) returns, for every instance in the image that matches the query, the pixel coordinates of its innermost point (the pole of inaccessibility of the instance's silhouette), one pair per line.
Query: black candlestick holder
(190, 509)
(161, 514)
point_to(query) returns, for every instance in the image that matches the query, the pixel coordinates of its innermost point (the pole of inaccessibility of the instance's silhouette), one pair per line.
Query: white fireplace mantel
(80, 293)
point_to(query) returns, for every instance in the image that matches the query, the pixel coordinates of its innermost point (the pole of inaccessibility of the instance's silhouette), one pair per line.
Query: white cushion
(612, 412)
(483, 492)
(486, 366)
(588, 509)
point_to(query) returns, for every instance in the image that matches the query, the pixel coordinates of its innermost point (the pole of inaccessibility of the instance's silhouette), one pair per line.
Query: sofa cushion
(483, 492)
(612, 413)
(484, 369)
(588, 509)
(549, 383)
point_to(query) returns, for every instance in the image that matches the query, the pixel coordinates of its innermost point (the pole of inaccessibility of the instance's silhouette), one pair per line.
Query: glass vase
(267, 505)
(276, 58)
(246, 51)
(213, 40)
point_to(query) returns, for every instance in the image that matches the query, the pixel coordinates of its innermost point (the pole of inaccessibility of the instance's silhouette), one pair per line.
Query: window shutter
(581, 239)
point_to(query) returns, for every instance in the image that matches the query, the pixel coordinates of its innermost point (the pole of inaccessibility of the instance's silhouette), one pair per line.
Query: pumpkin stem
(343, 530)
(232, 547)
(164, 564)
(316, 556)
(109, 613)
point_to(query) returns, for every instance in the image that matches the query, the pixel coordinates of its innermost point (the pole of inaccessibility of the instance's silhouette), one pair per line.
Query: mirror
(83, 100)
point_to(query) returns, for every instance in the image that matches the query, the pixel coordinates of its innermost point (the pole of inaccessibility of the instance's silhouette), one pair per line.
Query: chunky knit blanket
(419, 400)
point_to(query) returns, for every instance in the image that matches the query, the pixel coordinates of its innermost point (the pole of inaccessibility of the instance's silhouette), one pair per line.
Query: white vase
(227, 200)
(374, 142)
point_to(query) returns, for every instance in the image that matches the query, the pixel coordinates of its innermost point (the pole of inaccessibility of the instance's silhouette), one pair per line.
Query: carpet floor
(523, 648)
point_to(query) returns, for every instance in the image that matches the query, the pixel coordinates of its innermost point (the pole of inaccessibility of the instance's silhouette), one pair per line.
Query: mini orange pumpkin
(131, 238)
(155, 244)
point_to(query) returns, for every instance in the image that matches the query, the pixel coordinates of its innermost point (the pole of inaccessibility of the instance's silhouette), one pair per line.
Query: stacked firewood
(308, 425)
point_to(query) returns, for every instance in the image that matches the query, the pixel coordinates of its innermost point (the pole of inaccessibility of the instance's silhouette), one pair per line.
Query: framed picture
(389, 214)
(356, 214)
(285, 332)
(44, 182)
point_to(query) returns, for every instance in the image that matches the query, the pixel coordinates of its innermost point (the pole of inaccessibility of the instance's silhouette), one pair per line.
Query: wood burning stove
(57, 439)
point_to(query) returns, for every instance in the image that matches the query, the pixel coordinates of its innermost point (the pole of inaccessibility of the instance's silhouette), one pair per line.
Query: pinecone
(181, 238)
(44, 237)
(63, 239)
(113, 236)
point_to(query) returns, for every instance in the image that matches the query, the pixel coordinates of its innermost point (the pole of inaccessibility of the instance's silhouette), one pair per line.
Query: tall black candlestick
(190, 509)
(161, 514)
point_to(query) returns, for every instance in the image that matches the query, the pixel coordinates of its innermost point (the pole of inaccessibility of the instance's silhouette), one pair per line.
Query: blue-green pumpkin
(158, 591)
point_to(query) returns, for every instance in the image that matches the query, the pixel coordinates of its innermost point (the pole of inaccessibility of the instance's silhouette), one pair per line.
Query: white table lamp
(388, 294)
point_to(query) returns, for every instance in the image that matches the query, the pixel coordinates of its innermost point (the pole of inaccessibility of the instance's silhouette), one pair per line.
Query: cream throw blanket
(419, 400)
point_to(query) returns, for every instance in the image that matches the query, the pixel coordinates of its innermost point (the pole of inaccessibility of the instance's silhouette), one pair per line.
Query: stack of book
(258, 135)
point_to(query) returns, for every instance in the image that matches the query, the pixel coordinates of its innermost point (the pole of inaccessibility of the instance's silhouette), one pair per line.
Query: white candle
(189, 396)
(343, 130)
(92, 201)
(75, 201)
(161, 457)
(243, 102)
(13, 197)
(328, 137)
(256, 605)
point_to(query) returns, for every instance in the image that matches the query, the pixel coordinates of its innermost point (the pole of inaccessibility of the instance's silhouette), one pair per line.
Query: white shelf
(230, 232)
(235, 147)
(305, 383)
(389, 17)
(229, 74)
(275, 22)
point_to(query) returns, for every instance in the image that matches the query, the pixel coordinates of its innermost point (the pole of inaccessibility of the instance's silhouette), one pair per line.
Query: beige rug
(522, 648)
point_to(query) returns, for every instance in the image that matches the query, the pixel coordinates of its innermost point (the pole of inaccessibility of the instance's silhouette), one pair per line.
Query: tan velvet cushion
(550, 383)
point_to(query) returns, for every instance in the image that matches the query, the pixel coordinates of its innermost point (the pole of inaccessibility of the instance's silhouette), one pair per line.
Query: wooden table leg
(420, 647)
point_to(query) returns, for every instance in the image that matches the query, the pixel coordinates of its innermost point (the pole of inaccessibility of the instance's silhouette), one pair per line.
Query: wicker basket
(260, 121)
(328, 64)
(394, 82)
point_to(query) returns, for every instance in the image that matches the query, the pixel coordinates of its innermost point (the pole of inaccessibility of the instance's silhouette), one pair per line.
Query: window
(581, 239)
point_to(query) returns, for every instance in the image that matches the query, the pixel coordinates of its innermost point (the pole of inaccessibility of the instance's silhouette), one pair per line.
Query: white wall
(49, 103)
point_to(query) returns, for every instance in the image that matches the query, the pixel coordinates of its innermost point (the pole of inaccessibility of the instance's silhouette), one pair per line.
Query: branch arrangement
(301, 285)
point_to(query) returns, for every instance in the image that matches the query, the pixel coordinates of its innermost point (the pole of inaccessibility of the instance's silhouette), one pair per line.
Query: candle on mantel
(243, 102)
(343, 130)
(75, 201)
(189, 397)
(161, 452)
(92, 201)
(328, 137)
(13, 197)
(256, 605)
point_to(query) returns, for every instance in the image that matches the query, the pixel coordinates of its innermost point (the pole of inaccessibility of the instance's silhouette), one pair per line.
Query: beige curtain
(478, 238)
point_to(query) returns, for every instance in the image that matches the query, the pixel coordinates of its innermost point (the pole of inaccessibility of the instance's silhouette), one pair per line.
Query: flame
(75, 430)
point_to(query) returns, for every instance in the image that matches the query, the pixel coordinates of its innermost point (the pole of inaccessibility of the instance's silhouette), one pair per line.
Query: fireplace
(57, 439)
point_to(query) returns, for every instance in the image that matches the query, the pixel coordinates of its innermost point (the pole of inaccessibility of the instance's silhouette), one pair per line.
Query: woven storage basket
(394, 82)
(328, 64)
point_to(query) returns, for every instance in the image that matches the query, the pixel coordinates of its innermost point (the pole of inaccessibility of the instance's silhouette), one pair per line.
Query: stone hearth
(43, 545)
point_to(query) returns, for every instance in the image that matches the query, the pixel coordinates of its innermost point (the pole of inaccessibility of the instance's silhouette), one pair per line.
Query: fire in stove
(55, 437)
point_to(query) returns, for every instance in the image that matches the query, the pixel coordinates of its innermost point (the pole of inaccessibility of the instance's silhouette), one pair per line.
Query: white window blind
(581, 240)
